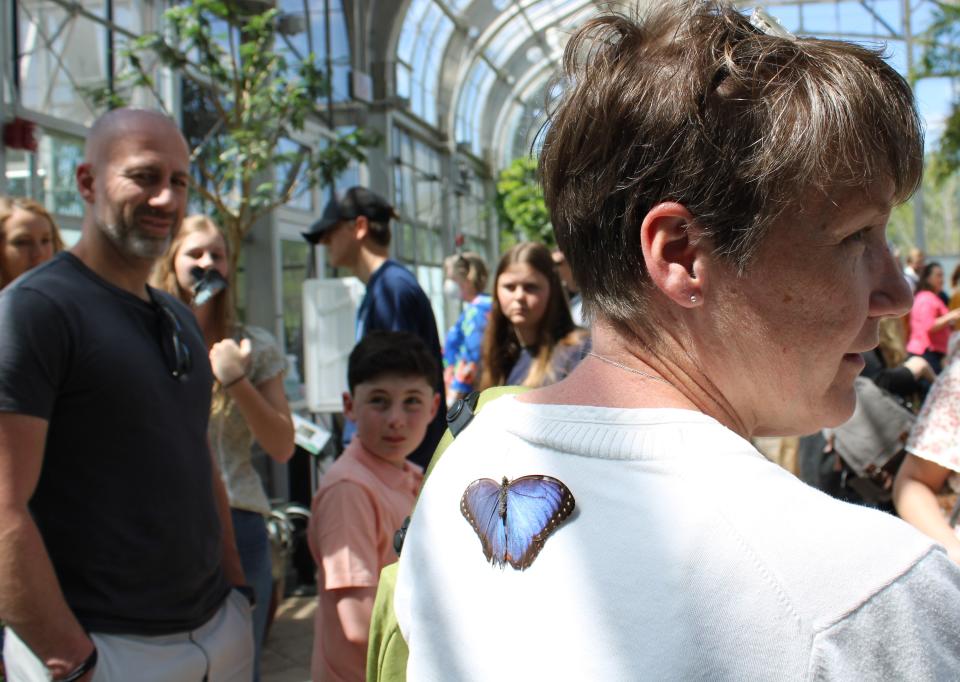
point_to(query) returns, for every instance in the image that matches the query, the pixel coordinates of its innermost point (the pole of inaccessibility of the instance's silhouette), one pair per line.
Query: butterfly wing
(207, 286)
(480, 505)
(536, 505)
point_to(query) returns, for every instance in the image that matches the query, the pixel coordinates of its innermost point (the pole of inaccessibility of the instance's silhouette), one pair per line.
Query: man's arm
(231, 557)
(31, 601)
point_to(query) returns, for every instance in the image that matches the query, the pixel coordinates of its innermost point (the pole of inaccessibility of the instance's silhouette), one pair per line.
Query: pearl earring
(693, 298)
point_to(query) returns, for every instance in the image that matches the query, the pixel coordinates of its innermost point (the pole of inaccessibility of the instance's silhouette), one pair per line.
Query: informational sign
(329, 334)
(308, 435)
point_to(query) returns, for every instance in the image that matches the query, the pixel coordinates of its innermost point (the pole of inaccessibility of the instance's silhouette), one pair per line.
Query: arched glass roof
(478, 70)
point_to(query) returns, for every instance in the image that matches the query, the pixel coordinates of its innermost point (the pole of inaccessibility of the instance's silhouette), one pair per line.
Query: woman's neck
(527, 335)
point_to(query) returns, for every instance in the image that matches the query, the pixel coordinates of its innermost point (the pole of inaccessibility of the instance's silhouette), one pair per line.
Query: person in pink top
(366, 494)
(930, 319)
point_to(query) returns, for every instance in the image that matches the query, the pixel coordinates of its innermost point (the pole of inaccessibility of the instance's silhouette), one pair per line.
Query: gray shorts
(220, 650)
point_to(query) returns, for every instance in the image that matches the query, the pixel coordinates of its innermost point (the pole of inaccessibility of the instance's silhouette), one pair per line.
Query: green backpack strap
(387, 651)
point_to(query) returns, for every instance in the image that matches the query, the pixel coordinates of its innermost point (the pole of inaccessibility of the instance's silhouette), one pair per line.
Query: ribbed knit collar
(610, 433)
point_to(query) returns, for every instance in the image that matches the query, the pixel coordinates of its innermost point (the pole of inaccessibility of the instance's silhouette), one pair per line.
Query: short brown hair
(693, 104)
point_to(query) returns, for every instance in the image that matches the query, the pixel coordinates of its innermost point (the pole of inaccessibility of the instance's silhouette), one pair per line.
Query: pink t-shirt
(927, 307)
(361, 502)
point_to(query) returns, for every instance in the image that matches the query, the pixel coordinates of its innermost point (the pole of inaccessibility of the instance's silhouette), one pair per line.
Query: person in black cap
(355, 229)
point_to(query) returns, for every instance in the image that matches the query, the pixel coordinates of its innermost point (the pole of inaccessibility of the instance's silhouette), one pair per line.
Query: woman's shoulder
(258, 335)
(268, 358)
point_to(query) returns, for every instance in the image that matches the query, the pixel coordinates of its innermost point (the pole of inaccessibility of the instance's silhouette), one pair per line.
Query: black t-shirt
(124, 502)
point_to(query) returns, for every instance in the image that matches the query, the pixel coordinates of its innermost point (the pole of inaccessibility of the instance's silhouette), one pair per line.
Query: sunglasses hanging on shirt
(176, 353)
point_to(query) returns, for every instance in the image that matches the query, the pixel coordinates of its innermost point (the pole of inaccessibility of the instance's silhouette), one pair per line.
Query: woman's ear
(674, 253)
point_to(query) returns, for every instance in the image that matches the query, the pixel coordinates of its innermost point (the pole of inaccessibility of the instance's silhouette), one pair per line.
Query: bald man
(116, 553)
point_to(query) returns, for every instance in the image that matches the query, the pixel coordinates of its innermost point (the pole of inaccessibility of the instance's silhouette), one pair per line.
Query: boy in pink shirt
(366, 494)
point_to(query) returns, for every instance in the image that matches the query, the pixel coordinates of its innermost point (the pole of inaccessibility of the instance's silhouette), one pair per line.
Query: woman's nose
(891, 296)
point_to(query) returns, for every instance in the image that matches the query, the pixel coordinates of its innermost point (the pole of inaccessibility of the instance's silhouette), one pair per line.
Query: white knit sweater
(688, 557)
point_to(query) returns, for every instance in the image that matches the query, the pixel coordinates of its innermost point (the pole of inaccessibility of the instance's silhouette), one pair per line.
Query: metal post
(919, 231)
(328, 53)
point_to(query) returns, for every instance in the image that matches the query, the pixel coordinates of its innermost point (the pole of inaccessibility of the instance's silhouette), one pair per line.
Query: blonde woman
(28, 237)
(466, 280)
(248, 401)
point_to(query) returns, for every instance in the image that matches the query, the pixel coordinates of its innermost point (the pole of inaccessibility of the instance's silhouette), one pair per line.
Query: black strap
(83, 668)
(400, 536)
(458, 417)
(462, 413)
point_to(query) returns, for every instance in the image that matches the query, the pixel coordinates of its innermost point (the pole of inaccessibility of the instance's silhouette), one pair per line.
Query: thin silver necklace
(629, 369)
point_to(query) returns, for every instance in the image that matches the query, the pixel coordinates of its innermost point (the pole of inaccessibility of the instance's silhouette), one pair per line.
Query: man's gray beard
(133, 244)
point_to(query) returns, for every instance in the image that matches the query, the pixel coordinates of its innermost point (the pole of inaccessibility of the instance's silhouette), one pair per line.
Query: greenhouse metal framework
(456, 89)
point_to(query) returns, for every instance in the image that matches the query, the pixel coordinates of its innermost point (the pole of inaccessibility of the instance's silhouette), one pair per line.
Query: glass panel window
(20, 173)
(339, 40)
(418, 197)
(60, 157)
(62, 53)
(423, 39)
(48, 176)
(59, 54)
(302, 196)
(294, 256)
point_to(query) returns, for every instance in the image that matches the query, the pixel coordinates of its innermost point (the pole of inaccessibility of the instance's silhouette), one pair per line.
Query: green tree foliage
(521, 206)
(243, 102)
(941, 58)
(941, 216)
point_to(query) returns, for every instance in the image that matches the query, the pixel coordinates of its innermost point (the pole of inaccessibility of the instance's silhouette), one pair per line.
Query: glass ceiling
(477, 70)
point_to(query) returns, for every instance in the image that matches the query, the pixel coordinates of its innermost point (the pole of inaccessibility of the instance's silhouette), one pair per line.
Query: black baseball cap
(355, 202)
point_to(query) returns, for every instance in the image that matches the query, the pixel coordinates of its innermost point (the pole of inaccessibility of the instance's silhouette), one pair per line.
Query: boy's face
(392, 414)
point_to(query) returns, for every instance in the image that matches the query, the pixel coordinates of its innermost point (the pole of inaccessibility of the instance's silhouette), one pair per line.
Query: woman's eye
(858, 236)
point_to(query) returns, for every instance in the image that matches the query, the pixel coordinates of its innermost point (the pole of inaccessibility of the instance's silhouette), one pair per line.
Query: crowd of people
(711, 185)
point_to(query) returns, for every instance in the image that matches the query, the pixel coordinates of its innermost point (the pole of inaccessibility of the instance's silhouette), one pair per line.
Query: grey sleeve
(910, 630)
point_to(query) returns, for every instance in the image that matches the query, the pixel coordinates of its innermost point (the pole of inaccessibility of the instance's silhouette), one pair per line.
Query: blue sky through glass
(934, 95)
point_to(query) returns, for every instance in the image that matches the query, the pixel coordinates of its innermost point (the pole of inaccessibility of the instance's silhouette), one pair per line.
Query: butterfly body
(513, 519)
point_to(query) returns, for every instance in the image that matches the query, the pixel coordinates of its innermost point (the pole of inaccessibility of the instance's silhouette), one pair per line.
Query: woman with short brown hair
(721, 190)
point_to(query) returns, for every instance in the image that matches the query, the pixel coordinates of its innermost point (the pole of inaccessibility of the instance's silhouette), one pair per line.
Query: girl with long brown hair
(249, 402)
(531, 339)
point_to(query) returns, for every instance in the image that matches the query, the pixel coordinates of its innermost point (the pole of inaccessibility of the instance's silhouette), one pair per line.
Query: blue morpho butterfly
(514, 519)
(206, 284)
